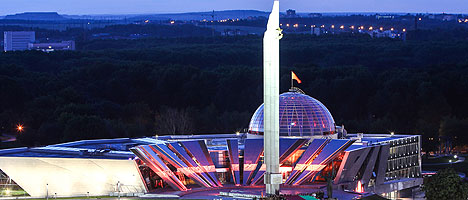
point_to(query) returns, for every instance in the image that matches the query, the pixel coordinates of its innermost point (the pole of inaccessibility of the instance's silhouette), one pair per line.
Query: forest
(196, 85)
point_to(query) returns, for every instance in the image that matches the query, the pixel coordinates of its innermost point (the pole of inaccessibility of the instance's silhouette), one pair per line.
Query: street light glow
(20, 128)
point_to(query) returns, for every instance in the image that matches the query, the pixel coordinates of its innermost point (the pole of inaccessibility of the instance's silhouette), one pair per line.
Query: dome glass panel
(300, 115)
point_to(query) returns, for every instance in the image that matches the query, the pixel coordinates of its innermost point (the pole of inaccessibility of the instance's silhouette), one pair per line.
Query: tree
(446, 184)
(173, 121)
(452, 131)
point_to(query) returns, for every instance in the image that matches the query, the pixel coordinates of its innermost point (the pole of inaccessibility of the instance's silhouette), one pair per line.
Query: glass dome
(300, 115)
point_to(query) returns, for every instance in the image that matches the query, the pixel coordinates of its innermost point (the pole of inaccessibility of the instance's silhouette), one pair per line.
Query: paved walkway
(460, 159)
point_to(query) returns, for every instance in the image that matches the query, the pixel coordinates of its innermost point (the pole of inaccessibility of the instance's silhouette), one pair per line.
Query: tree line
(195, 85)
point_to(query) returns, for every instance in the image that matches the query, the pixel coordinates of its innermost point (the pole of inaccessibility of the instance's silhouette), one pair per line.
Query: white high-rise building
(18, 40)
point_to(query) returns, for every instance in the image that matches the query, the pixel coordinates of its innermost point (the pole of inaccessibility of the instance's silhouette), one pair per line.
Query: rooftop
(119, 148)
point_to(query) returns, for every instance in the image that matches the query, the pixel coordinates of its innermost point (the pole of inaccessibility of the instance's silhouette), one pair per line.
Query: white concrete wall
(72, 176)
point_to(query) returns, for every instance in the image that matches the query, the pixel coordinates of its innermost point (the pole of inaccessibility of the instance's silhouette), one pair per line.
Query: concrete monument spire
(273, 177)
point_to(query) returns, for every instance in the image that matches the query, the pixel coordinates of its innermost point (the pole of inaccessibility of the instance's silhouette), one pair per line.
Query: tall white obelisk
(273, 34)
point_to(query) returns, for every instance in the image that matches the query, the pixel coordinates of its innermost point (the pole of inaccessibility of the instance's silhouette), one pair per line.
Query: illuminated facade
(380, 163)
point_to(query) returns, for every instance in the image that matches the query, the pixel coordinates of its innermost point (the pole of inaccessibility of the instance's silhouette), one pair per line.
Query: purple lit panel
(287, 148)
(166, 154)
(253, 148)
(314, 148)
(176, 148)
(233, 152)
(328, 153)
(199, 151)
(157, 165)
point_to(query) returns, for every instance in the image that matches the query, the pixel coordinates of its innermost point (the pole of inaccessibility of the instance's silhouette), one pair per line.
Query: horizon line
(209, 11)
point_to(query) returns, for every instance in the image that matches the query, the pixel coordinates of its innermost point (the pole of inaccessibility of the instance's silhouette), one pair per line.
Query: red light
(359, 187)
(19, 128)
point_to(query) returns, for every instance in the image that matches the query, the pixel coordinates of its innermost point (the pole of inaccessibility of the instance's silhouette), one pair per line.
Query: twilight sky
(173, 6)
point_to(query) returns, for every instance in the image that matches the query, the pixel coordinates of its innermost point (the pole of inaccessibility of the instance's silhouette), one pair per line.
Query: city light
(323, 26)
(420, 19)
(359, 187)
(146, 21)
(296, 25)
(20, 128)
(381, 28)
(455, 156)
(370, 28)
(404, 30)
(332, 26)
(352, 27)
(172, 22)
(392, 29)
(342, 27)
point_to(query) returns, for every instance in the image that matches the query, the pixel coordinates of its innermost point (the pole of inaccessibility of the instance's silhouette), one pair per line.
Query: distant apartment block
(18, 40)
(49, 47)
(25, 40)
